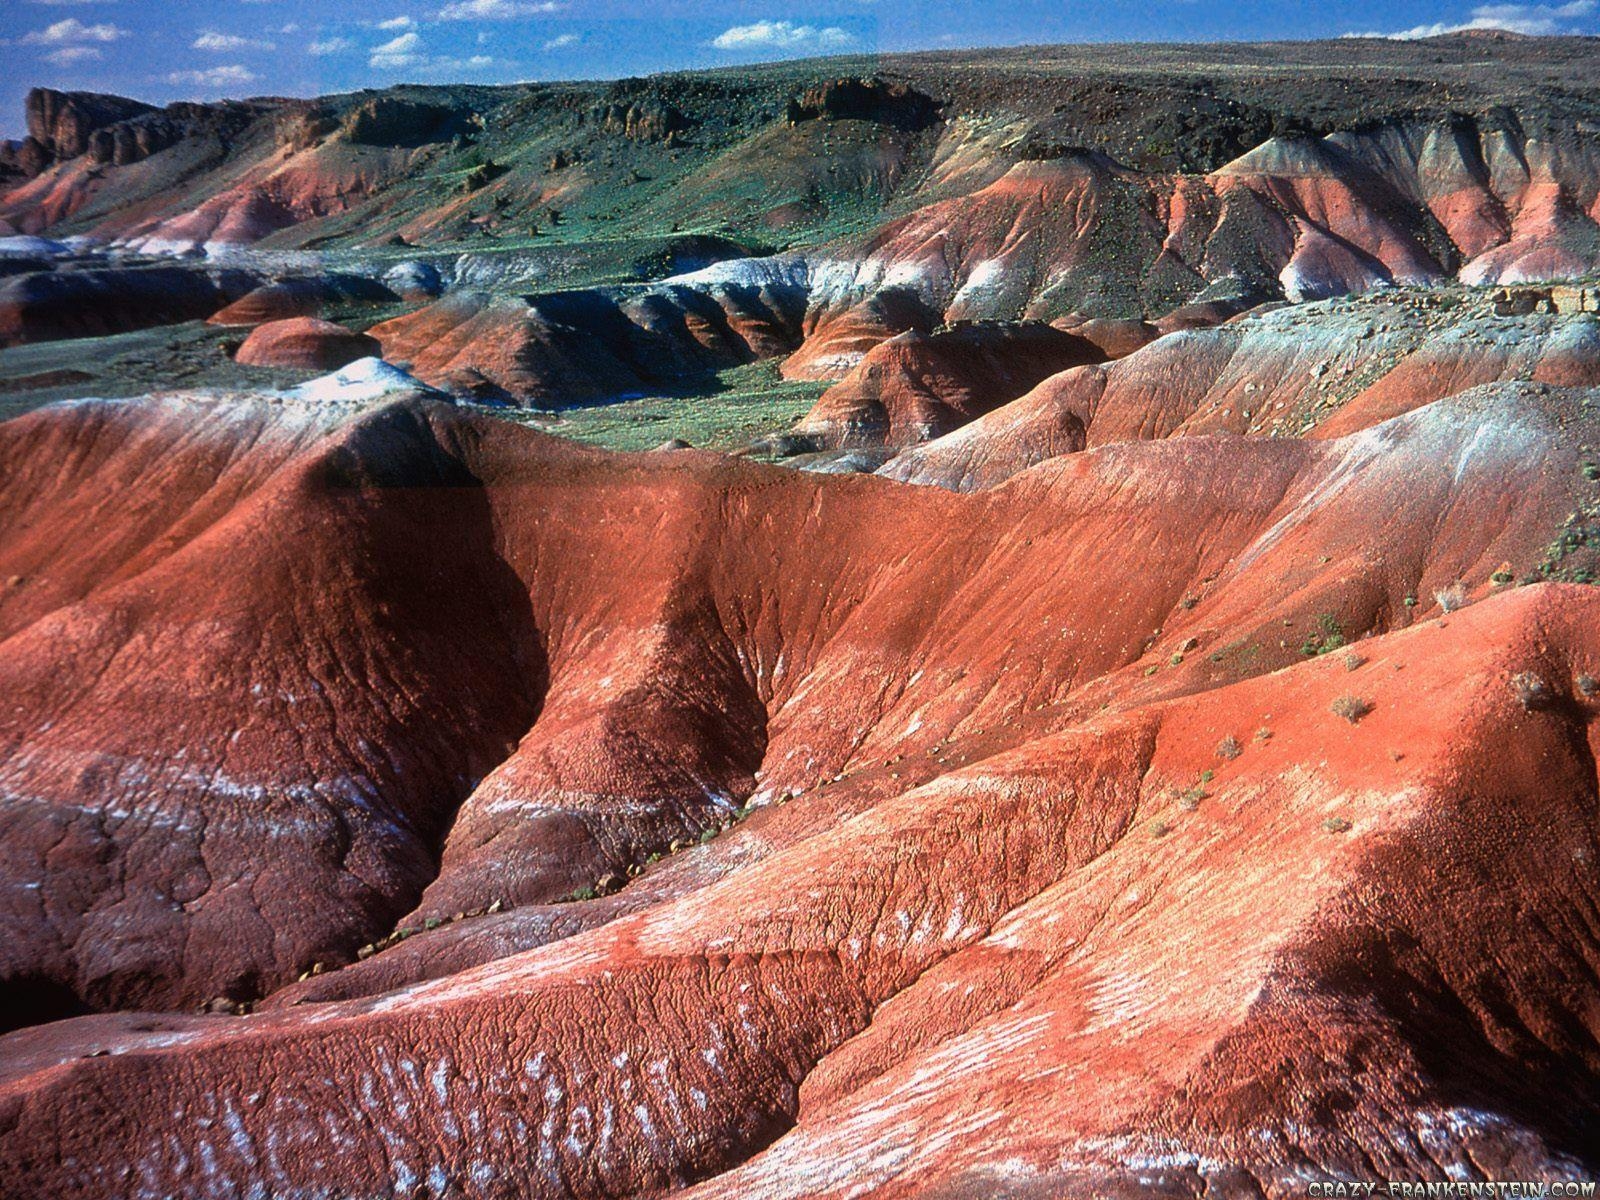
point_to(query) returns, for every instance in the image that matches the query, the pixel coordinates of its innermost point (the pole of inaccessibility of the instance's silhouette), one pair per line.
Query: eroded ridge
(1181, 815)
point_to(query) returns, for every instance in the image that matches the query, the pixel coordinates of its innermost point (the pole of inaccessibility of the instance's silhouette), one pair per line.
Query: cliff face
(61, 126)
(62, 122)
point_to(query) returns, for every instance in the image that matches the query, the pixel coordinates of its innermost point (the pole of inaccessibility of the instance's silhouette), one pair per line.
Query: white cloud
(68, 55)
(73, 32)
(215, 77)
(781, 35)
(409, 52)
(398, 23)
(212, 40)
(1535, 20)
(403, 51)
(69, 3)
(333, 45)
(562, 42)
(497, 10)
(291, 27)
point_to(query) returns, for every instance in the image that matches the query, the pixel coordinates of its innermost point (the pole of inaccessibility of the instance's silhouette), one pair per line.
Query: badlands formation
(1114, 711)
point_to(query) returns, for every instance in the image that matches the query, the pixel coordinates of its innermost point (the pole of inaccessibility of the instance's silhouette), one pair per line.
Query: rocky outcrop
(647, 119)
(854, 99)
(304, 343)
(414, 280)
(973, 853)
(22, 160)
(305, 127)
(394, 121)
(64, 123)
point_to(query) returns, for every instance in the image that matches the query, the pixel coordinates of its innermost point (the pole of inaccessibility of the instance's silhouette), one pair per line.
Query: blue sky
(163, 50)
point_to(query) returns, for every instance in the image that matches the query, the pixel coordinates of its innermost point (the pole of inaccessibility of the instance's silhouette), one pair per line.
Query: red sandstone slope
(1322, 370)
(1101, 1014)
(316, 749)
(917, 386)
(1006, 932)
(305, 343)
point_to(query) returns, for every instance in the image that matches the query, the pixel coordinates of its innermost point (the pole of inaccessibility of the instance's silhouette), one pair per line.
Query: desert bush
(1228, 747)
(1328, 636)
(1351, 708)
(1335, 825)
(1452, 597)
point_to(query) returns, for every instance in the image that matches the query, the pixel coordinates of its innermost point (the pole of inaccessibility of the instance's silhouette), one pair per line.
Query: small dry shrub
(1228, 747)
(1351, 708)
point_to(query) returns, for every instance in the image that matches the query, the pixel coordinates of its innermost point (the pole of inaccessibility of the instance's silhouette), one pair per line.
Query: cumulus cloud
(398, 23)
(215, 77)
(403, 51)
(68, 55)
(409, 52)
(72, 32)
(497, 10)
(1535, 20)
(782, 35)
(562, 42)
(212, 40)
(333, 45)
